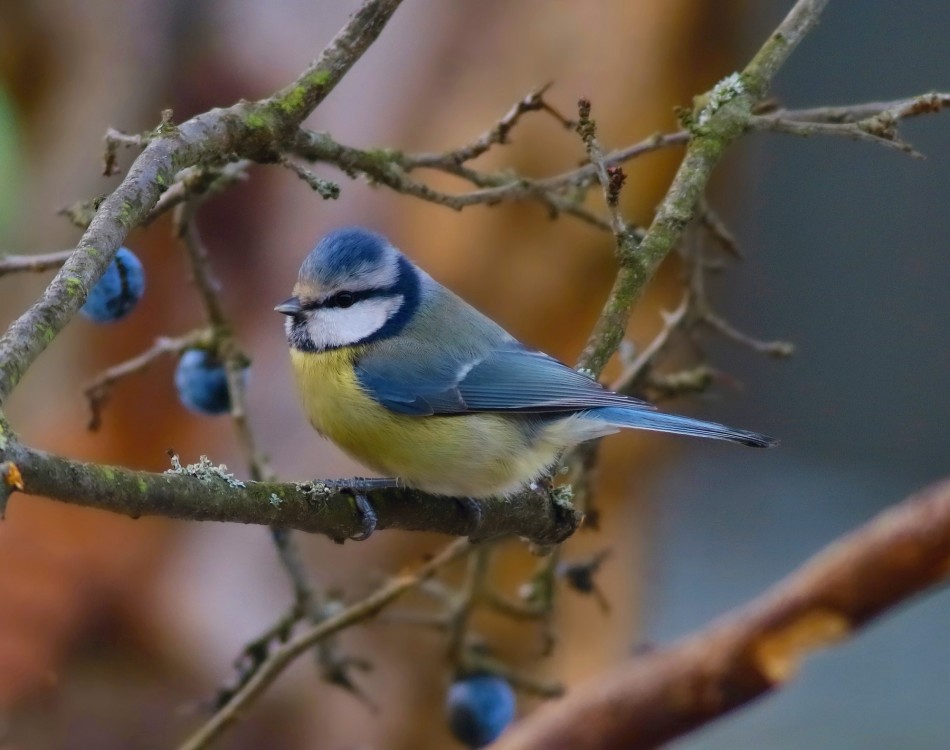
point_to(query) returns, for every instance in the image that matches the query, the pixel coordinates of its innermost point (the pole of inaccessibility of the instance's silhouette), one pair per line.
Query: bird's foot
(358, 488)
(368, 484)
(473, 511)
(367, 516)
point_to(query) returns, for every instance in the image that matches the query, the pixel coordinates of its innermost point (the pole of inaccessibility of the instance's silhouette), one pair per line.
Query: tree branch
(35, 263)
(284, 656)
(899, 109)
(665, 694)
(203, 494)
(253, 130)
(875, 122)
(801, 19)
(716, 127)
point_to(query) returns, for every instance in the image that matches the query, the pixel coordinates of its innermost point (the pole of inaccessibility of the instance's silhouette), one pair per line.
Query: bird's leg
(368, 484)
(473, 511)
(367, 515)
(358, 488)
(364, 508)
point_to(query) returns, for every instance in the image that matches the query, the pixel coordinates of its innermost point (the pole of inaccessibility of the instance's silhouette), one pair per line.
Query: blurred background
(112, 631)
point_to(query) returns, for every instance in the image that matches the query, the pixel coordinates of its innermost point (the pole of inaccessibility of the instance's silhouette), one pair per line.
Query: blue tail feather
(643, 419)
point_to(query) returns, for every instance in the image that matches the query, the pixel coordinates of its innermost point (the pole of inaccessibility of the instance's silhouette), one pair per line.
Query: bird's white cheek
(335, 326)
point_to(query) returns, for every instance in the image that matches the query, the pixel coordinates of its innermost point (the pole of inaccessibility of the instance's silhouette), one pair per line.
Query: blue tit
(413, 382)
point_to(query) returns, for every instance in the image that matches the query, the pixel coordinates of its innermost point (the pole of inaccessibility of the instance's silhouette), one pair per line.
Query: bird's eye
(343, 299)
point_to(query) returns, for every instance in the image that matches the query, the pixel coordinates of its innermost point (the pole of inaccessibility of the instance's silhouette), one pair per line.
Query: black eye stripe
(344, 299)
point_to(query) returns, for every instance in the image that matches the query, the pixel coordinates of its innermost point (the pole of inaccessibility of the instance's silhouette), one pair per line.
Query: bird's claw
(367, 517)
(473, 511)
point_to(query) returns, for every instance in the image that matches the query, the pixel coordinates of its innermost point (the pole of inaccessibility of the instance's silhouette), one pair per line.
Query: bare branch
(321, 507)
(497, 134)
(114, 139)
(719, 123)
(801, 19)
(33, 263)
(194, 183)
(718, 230)
(636, 369)
(99, 390)
(324, 188)
(875, 122)
(462, 605)
(253, 130)
(852, 113)
(779, 349)
(285, 655)
(664, 694)
(611, 179)
(854, 132)
(392, 168)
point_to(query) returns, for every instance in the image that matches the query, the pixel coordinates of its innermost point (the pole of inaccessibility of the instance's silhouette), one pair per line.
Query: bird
(413, 382)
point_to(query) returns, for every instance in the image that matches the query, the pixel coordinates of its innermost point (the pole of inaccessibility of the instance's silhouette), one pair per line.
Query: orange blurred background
(112, 631)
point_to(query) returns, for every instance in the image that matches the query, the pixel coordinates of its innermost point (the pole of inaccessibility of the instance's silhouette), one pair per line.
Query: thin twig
(686, 382)
(899, 109)
(114, 139)
(497, 134)
(561, 193)
(602, 343)
(324, 188)
(392, 168)
(466, 600)
(232, 357)
(632, 373)
(722, 125)
(99, 390)
(285, 654)
(611, 179)
(779, 349)
(718, 230)
(33, 263)
(198, 183)
(311, 603)
(875, 122)
(853, 131)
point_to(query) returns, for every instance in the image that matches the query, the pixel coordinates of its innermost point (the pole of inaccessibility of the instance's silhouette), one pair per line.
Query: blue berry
(118, 291)
(479, 708)
(202, 382)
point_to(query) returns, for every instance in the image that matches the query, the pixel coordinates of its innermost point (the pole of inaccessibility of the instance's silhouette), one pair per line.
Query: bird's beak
(290, 306)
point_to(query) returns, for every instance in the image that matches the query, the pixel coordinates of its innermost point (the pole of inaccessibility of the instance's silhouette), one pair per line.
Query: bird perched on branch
(413, 382)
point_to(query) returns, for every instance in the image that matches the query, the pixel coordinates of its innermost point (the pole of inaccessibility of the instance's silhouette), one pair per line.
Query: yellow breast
(478, 455)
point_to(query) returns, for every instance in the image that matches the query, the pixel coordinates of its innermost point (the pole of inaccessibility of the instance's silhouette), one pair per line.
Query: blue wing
(509, 378)
(475, 366)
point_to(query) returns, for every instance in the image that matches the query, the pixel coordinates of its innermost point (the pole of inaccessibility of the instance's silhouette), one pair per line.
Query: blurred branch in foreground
(758, 648)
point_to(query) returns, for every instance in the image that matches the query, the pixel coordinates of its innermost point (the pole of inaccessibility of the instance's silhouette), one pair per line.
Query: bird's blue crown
(345, 254)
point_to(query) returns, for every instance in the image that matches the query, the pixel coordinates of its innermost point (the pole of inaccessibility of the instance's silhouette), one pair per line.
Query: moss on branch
(319, 507)
(252, 130)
